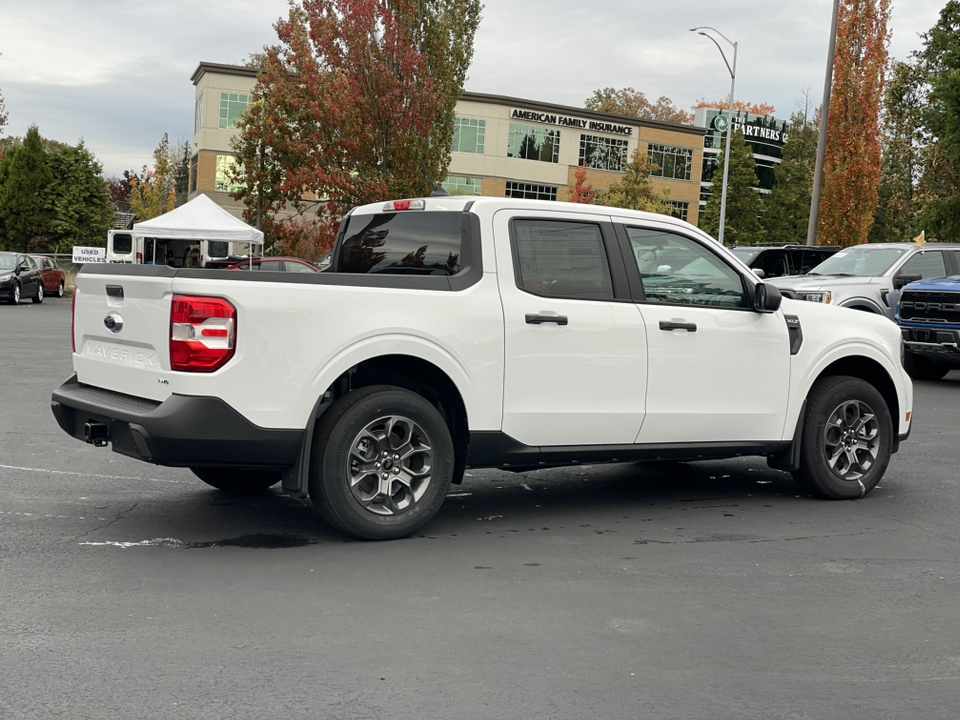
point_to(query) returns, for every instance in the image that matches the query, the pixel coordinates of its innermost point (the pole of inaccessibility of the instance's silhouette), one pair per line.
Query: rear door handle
(540, 319)
(669, 325)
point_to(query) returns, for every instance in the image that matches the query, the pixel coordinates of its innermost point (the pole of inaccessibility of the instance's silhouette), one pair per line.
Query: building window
(531, 192)
(673, 162)
(229, 174)
(603, 153)
(198, 114)
(232, 108)
(459, 185)
(533, 143)
(194, 162)
(678, 209)
(468, 135)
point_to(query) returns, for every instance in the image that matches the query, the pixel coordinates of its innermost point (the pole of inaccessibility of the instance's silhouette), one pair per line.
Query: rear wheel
(38, 298)
(847, 439)
(60, 290)
(382, 464)
(922, 368)
(243, 481)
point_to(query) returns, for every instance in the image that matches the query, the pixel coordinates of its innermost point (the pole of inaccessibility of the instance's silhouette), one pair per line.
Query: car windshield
(860, 261)
(7, 261)
(745, 253)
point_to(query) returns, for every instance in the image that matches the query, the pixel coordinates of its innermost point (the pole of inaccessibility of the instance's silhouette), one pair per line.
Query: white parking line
(90, 475)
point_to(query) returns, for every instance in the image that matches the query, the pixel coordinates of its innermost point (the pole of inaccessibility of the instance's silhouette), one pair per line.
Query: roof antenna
(438, 191)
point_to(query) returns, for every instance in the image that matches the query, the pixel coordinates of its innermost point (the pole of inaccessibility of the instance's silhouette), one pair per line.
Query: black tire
(847, 439)
(15, 296)
(382, 463)
(242, 481)
(38, 298)
(922, 368)
(60, 291)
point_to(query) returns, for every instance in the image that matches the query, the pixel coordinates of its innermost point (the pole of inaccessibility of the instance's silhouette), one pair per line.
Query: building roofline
(243, 71)
(240, 70)
(567, 110)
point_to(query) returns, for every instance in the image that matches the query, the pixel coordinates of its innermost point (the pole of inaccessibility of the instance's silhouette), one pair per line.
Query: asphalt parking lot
(685, 591)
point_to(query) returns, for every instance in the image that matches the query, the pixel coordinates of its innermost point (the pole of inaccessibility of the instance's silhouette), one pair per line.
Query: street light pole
(733, 81)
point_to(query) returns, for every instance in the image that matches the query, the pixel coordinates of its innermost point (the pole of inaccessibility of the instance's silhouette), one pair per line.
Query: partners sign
(89, 254)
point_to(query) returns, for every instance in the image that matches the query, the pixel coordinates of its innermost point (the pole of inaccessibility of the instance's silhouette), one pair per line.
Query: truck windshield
(402, 243)
(861, 261)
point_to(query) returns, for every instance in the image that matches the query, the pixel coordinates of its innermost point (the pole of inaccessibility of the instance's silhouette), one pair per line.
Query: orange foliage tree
(582, 192)
(738, 106)
(852, 168)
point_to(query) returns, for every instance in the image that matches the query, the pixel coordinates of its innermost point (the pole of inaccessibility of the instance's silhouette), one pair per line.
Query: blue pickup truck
(929, 317)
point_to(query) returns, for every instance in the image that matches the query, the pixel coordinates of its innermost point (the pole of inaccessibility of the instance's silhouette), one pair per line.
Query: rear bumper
(181, 431)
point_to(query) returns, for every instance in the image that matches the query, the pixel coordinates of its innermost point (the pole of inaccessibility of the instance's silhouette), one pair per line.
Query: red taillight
(398, 205)
(73, 320)
(139, 258)
(203, 333)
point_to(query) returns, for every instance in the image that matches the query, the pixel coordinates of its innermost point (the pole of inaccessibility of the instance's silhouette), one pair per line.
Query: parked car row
(29, 276)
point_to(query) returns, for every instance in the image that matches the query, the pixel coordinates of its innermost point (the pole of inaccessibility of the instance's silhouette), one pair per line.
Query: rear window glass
(122, 244)
(403, 243)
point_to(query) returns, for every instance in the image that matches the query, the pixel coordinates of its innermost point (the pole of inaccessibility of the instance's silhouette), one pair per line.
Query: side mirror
(901, 280)
(759, 273)
(766, 298)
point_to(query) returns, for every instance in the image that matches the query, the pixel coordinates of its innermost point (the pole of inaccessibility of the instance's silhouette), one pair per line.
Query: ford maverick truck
(454, 332)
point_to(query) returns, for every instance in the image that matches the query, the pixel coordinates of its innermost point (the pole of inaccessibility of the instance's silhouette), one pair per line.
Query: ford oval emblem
(113, 322)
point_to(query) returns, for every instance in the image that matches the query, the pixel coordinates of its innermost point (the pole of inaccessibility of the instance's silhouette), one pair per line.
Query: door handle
(669, 325)
(540, 319)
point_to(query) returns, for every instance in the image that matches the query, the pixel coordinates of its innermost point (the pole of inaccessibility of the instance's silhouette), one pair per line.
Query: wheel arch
(406, 371)
(863, 305)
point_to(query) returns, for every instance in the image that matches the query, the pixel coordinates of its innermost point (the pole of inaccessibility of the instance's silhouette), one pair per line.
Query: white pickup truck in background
(488, 332)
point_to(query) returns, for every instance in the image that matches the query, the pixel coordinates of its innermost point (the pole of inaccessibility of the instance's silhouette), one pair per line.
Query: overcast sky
(117, 74)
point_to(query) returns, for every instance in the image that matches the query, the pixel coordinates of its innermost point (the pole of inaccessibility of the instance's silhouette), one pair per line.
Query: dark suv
(776, 261)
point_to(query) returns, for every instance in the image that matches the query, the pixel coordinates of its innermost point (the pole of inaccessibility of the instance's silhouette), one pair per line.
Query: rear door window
(122, 244)
(402, 243)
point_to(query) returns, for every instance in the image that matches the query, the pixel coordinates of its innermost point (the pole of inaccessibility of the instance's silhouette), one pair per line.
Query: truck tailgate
(121, 329)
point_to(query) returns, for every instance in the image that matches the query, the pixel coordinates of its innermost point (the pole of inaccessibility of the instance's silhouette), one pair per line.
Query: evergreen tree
(79, 198)
(25, 180)
(744, 204)
(787, 212)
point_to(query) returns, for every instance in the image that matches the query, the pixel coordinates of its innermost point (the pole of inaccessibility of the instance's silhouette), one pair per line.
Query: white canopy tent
(199, 219)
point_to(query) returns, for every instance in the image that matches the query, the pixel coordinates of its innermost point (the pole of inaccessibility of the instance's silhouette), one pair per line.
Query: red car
(277, 264)
(53, 277)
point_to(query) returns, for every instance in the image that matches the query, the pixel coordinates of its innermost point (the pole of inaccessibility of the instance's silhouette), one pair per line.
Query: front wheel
(60, 290)
(15, 294)
(921, 368)
(382, 463)
(243, 481)
(847, 439)
(38, 298)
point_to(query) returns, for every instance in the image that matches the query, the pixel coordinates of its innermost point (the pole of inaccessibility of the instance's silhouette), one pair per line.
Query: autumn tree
(851, 170)
(153, 191)
(3, 114)
(582, 191)
(357, 96)
(25, 180)
(744, 204)
(787, 212)
(634, 103)
(634, 191)
(79, 198)
(738, 106)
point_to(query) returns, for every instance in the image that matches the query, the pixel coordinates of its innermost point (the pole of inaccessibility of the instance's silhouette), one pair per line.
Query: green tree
(154, 191)
(634, 103)
(634, 190)
(787, 208)
(897, 207)
(79, 198)
(852, 167)
(25, 179)
(744, 204)
(355, 98)
(938, 64)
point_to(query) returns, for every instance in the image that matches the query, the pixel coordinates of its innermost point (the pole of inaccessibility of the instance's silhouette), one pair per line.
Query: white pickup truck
(452, 332)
